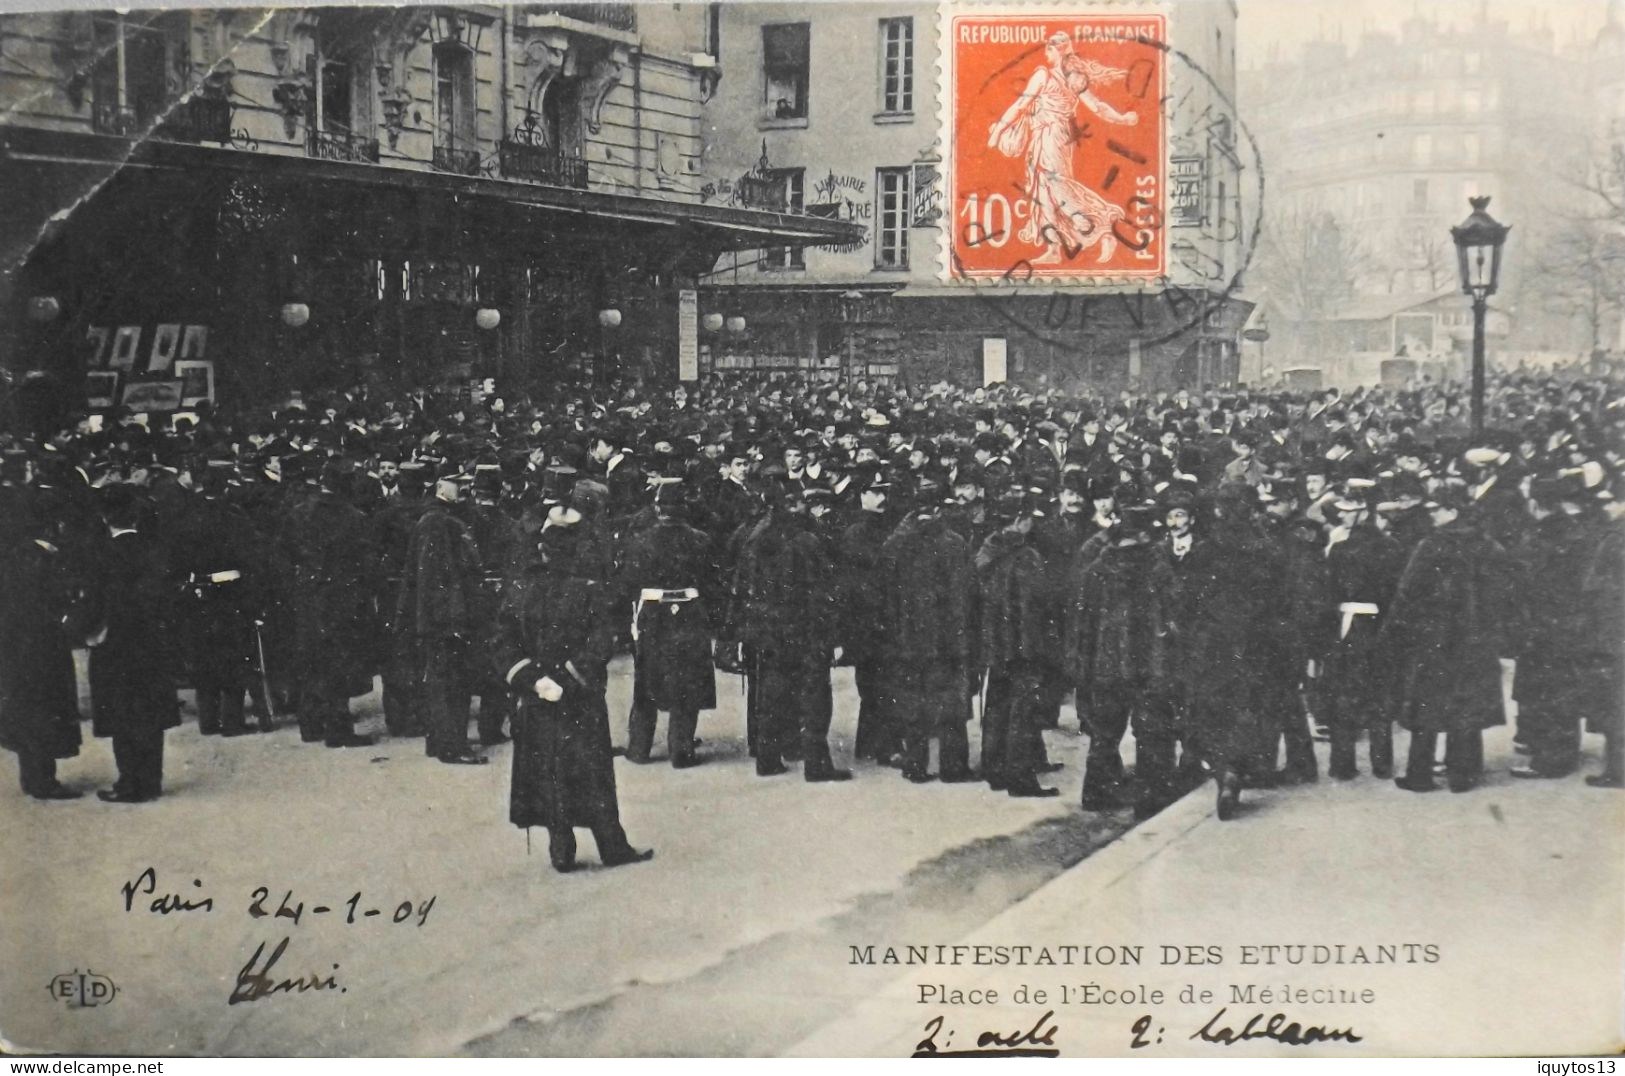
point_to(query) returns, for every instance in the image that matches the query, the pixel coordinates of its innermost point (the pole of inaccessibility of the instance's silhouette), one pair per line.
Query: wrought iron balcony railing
(342, 146)
(197, 119)
(524, 159)
(113, 120)
(464, 162)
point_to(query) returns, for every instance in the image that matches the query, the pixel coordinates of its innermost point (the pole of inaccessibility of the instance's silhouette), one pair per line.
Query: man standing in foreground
(554, 637)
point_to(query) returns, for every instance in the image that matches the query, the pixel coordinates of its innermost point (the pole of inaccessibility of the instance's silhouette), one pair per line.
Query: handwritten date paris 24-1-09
(261, 976)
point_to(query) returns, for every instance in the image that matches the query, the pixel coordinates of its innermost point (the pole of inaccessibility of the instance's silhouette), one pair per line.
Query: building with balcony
(388, 171)
(831, 109)
(1384, 139)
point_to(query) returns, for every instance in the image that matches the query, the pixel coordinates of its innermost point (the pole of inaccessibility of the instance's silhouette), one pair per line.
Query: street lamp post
(1478, 250)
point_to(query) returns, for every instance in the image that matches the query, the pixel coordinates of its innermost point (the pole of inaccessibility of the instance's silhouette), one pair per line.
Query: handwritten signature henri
(255, 982)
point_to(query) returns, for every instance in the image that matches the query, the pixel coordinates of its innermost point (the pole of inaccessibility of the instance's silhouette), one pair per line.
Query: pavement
(511, 956)
(1502, 911)
(737, 938)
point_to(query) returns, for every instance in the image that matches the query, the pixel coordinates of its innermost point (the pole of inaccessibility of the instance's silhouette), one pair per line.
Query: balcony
(622, 17)
(196, 119)
(462, 162)
(113, 120)
(525, 159)
(343, 146)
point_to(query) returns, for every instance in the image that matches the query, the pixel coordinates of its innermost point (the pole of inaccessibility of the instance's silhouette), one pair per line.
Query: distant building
(832, 109)
(1389, 136)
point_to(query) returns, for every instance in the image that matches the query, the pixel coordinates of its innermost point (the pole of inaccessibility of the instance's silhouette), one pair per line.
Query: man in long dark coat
(212, 556)
(1115, 650)
(1452, 620)
(927, 651)
(1363, 566)
(335, 588)
(864, 631)
(668, 590)
(440, 595)
(1236, 589)
(497, 535)
(1020, 640)
(1604, 612)
(1300, 633)
(39, 706)
(787, 602)
(1555, 646)
(132, 686)
(556, 634)
(392, 537)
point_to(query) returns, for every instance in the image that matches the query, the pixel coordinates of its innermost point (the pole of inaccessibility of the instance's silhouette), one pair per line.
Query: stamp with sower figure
(1058, 143)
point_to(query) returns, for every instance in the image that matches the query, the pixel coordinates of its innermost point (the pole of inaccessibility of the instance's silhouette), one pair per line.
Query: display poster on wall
(688, 335)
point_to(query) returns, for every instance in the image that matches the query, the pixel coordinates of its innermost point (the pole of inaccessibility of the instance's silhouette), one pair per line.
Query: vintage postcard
(1027, 528)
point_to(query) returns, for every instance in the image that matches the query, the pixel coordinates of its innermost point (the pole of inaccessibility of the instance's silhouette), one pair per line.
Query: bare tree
(1308, 262)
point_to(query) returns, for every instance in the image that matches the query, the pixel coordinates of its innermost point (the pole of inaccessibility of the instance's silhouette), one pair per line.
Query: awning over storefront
(722, 227)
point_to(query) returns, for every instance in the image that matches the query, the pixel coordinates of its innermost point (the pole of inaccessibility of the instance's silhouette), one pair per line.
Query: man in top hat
(1363, 566)
(335, 587)
(1019, 629)
(392, 526)
(1555, 648)
(927, 647)
(784, 589)
(132, 686)
(861, 578)
(213, 555)
(1451, 620)
(667, 580)
(1114, 652)
(496, 538)
(556, 636)
(1604, 613)
(39, 618)
(439, 604)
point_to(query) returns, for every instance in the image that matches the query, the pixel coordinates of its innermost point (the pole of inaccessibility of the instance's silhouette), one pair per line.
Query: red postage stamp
(1057, 145)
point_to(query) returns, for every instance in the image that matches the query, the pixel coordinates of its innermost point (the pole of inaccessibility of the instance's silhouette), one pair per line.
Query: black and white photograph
(774, 528)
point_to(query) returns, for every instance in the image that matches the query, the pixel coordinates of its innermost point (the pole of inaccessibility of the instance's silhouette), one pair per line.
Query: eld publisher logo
(83, 989)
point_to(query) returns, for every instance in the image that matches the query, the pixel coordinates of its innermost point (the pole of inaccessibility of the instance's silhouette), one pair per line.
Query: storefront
(282, 273)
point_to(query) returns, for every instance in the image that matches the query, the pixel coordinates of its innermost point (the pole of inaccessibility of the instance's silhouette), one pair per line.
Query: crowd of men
(1218, 572)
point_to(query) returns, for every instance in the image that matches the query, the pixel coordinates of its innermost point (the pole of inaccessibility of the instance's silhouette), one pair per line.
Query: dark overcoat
(132, 683)
(39, 704)
(672, 650)
(557, 617)
(1604, 614)
(1555, 643)
(337, 585)
(1451, 623)
(1114, 638)
(927, 652)
(1364, 568)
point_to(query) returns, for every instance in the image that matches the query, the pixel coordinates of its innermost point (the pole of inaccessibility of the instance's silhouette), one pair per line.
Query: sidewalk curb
(1102, 870)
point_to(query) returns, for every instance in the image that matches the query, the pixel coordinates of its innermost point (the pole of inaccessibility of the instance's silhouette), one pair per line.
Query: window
(1419, 196)
(1422, 149)
(1469, 148)
(455, 148)
(897, 65)
(787, 257)
(131, 81)
(891, 217)
(1471, 101)
(784, 70)
(1470, 63)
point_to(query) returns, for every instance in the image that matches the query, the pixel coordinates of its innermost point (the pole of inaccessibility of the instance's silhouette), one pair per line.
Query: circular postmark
(1097, 175)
